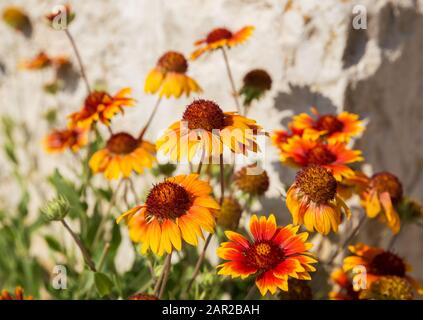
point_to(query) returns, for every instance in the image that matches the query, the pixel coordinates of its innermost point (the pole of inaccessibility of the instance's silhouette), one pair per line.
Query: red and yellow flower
(378, 263)
(169, 77)
(122, 155)
(19, 295)
(313, 200)
(273, 255)
(178, 208)
(204, 126)
(302, 152)
(221, 37)
(383, 192)
(334, 128)
(60, 140)
(101, 106)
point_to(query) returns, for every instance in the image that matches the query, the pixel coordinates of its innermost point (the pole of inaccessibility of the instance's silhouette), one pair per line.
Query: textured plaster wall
(308, 46)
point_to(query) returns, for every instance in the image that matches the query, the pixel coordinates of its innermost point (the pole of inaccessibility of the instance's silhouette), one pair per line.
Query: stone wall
(308, 46)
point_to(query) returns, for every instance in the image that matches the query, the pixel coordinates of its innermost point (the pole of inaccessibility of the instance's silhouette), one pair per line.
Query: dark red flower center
(173, 61)
(320, 154)
(94, 100)
(317, 183)
(204, 114)
(387, 264)
(387, 182)
(329, 123)
(218, 34)
(122, 143)
(168, 200)
(264, 255)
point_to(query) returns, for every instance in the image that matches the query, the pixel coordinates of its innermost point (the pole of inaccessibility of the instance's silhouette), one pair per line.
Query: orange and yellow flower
(377, 263)
(313, 200)
(383, 192)
(274, 254)
(221, 37)
(204, 126)
(334, 128)
(101, 106)
(122, 155)
(60, 140)
(302, 152)
(19, 295)
(178, 208)
(169, 77)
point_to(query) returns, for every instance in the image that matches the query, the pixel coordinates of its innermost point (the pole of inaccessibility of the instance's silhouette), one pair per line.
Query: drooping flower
(177, 208)
(100, 106)
(221, 37)
(333, 127)
(169, 77)
(273, 255)
(229, 214)
(204, 126)
(252, 183)
(256, 83)
(19, 295)
(122, 155)
(313, 200)
(60, 140)
(384, 191)
(378, 263)
(302, 152)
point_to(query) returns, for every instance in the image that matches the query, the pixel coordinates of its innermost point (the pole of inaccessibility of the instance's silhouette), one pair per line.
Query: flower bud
(56, 209)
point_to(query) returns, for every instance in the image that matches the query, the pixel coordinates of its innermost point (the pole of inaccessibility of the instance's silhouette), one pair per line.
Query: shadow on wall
(392, 100)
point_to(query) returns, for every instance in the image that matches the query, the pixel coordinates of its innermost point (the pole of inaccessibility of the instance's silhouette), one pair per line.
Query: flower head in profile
(123, 154)
(221, 37)
(377, 263)
(60, 140)
(169, 77)
(204, 126)
(19, 295)
(256, 83)
(333, 127)
(101, 106)
(178, 208)
(313, 200)
(272, 255)
(302, 152)
(384, 191)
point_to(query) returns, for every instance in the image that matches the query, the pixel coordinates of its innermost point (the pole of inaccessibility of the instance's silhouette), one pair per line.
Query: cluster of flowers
(180, 208)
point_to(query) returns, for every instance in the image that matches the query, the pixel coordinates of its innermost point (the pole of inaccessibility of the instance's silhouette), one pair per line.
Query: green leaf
(103, 284)
(53, 244)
